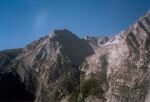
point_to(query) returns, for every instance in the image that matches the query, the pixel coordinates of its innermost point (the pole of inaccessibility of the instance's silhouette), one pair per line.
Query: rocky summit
(62, 67)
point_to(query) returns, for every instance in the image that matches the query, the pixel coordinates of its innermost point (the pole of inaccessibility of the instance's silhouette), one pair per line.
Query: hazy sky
(22, 21)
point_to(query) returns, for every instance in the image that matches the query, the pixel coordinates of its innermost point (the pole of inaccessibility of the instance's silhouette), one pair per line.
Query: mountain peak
(59, 32)
(61, 67)
(71, 44)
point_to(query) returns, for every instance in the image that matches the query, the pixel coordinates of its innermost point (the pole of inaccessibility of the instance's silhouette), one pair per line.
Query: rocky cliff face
(120, 69)
(61, 67)
(48, 68)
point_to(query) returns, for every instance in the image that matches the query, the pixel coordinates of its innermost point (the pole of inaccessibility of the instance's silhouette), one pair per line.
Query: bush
(90, 87)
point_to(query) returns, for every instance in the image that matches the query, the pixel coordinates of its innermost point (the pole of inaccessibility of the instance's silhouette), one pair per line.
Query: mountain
(62, 67)
(96, 41)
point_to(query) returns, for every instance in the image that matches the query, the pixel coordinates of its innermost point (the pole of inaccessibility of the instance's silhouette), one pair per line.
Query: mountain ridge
(62, 67)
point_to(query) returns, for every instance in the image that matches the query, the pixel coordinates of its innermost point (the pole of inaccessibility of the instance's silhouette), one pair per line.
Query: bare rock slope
(120, 69)
(61, 67)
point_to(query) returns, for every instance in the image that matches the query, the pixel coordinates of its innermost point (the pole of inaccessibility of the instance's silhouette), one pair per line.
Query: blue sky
(22, 21)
